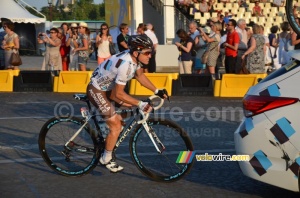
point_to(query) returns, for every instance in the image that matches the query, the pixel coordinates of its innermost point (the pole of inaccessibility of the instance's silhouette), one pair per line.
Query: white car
(270, 131)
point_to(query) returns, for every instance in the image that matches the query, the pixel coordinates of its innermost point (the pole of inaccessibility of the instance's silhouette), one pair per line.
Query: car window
(288, 67)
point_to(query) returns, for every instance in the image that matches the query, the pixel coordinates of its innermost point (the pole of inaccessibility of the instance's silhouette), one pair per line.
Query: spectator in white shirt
(243, 45)
(152, 62)
(193, 30)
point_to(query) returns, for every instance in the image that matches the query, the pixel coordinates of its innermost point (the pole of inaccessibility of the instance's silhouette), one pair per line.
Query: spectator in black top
(122, 39)
(184, 47)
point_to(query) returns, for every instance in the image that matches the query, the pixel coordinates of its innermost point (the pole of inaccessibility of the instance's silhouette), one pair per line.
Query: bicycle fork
(159, 146)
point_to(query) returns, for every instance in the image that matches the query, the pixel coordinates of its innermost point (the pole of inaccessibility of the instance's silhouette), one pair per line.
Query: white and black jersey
(119, 69)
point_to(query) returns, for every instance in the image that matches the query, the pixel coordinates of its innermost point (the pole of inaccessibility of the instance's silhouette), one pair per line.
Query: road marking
(38, 159)
(158, 113)
(44, 102)
(29, 117)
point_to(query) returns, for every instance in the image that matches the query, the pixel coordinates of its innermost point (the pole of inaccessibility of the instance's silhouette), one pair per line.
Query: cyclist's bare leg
(99, 99)
(114, 124)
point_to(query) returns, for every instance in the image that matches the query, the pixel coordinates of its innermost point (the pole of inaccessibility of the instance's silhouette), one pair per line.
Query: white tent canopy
(11, 10)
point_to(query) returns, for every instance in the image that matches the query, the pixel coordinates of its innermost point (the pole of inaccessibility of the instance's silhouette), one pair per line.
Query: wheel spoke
(161, 166)
(79, 157)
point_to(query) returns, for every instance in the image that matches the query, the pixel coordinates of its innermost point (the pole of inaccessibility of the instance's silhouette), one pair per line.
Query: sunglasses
(4, 27)
(146, 53)
(80, 27)
(104, 28)
(53, 32)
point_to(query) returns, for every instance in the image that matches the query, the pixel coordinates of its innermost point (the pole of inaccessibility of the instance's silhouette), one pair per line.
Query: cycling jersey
(117, 69)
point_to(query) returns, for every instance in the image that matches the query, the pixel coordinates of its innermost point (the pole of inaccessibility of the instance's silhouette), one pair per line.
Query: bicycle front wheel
(79, 157)
(163, 166)
(294, 22)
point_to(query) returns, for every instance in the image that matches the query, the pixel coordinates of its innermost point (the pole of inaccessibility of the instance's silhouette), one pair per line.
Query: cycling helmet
(139, 42)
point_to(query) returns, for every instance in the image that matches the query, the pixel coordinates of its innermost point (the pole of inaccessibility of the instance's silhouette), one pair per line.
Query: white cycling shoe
(111, 165)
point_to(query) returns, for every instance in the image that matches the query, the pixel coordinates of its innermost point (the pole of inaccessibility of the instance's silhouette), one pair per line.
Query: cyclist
(106, 90)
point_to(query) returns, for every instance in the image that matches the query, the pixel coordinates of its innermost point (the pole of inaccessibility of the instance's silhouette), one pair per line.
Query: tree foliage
(81, 10)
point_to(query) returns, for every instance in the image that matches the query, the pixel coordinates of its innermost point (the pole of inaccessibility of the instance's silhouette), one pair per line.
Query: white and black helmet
(139, 42)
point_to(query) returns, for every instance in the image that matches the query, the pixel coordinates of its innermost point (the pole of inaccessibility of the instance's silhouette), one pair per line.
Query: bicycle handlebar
(146, 115)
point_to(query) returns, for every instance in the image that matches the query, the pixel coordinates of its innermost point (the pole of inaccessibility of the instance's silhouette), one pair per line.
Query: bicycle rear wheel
(79, 157)
(161, 166)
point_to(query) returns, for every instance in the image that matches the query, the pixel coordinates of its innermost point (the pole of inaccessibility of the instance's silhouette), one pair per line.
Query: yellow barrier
(7, 78)
(160, 80)
(235, 85)
(72, 81)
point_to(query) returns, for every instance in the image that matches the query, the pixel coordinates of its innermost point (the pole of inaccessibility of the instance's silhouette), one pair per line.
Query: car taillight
(254, 105)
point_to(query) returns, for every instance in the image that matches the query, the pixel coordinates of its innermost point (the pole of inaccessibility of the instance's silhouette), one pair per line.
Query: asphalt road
(209, 121)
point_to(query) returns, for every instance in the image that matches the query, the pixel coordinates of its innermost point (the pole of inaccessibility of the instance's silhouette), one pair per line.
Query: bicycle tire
(290, 16)
(161, 167)
(52, 138)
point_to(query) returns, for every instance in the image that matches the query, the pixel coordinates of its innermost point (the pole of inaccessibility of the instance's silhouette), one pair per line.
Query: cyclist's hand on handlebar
(145, 107)
(162, 93)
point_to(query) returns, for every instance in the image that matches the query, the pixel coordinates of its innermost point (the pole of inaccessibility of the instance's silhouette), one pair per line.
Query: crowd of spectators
(259, 47)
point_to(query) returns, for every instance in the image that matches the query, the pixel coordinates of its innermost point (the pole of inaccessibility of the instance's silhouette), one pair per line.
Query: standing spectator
(249, 34)
(73, 32)
(65, 28)
(52, 59)
(65, 50)
(93, 37)
(243, 44)
(2, 58)
(184, 47)
(213, 47)
(273, 50)
(103, 40)
(255, 53)
(231, 47)
(140, 30)
(11, 42)
(268, 60)
(193, 30)
(200, 46)
(122, 39)
(284, 38)
(150, 33)
(82, 45)
(220, 18)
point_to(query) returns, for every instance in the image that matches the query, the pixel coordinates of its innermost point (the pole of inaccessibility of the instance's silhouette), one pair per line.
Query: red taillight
(254, 105)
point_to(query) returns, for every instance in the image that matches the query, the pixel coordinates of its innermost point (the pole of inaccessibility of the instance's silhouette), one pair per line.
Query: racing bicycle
(72, 146)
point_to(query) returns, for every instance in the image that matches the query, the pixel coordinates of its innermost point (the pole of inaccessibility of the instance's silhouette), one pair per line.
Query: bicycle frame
(125, 130)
